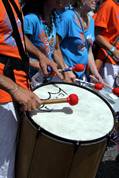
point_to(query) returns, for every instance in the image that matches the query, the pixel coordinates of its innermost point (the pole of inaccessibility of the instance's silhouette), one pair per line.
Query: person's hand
(44, 63)
(69, 77)
(96, 78)
(116, 55)
(99, 78)
(27, 99)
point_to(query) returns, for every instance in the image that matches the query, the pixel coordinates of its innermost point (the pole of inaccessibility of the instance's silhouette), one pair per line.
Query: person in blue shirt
(75, 29)
(40, 29)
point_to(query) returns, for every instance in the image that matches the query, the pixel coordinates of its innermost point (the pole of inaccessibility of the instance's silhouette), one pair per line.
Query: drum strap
(9, 64)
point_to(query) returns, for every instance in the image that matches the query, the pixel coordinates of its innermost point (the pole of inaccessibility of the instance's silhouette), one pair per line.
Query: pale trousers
(109, 72)
(8, 132)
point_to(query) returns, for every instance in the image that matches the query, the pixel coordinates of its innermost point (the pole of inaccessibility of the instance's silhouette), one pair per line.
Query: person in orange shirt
(14, 82)
(107, 37)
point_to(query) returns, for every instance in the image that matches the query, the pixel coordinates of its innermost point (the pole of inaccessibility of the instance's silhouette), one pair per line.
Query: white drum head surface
(89, 120)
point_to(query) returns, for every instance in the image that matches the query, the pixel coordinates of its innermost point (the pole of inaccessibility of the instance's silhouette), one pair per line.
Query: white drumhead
(90, 119)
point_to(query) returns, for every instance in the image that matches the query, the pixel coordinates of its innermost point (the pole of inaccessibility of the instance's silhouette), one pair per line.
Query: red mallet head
(99, 86)
(72, 99)
(116, 91)
(78, 68)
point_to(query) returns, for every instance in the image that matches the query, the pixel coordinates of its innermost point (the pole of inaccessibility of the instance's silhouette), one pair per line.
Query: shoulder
(106, 9)
(31, 17)
(107, 4)
(65, 14)
(68, 12)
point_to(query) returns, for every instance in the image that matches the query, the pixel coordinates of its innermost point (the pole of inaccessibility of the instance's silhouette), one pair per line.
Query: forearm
(58, 58)
(7, 84)
(28, 100)
(111, 48)
(68, 76)
(91, 63)
(38, 53)
(103, 42)
(34, 63)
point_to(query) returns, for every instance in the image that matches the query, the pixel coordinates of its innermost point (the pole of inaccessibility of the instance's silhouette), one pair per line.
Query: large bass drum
(63, 141)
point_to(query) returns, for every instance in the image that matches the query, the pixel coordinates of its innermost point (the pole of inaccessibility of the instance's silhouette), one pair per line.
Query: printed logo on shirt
(81, 45)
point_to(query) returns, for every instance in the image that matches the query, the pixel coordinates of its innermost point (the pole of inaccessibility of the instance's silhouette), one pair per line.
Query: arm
(42, 58)
(68, 76)
(25, 97)
(93, 67)
(104, 43)
(34, 63)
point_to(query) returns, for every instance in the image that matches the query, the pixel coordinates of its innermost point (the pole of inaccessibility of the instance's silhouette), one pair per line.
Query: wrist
(41, 56)
(112, 49)
(13, 89)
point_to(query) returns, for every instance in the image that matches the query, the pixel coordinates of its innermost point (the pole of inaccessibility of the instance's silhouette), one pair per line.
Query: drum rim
(55, 137)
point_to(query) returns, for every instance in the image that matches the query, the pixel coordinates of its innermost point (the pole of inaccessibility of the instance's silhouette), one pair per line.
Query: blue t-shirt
(74, 45)
(34, 26)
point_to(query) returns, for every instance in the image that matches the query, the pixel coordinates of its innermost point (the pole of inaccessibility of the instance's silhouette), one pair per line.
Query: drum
(63, 141)
(113, 100)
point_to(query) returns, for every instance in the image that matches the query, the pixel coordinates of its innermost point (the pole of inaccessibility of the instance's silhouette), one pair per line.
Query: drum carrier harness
(12, 63)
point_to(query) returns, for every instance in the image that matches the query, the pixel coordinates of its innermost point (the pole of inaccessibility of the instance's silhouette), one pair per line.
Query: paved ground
(109, 167)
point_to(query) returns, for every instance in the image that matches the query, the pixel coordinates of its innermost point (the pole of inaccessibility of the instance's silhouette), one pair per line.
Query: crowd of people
(50, 34)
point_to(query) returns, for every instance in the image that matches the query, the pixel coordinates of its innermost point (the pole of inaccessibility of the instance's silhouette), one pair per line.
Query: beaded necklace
(48, 29)
(50, 33)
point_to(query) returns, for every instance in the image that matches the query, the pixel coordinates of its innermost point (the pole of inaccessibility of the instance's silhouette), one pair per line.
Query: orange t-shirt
(9, 48)
(107, 17)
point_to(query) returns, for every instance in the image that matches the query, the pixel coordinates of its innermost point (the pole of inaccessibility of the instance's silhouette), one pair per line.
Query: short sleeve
(28, 28)
(61, 26)
(31, 22)
(102, 16)
(66, 25)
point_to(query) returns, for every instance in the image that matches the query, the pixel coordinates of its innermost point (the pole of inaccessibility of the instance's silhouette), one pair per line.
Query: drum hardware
(77, 144)
(96, 86)
(113, 139)
(116, 82)
(114, 136)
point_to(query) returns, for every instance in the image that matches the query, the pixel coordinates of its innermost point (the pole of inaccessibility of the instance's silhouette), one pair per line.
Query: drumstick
(96, 80)
(76, 68)
(114, 90)
(72, 99)
(97, 86)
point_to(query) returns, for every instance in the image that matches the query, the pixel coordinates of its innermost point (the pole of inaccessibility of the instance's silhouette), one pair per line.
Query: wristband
(112, 49)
